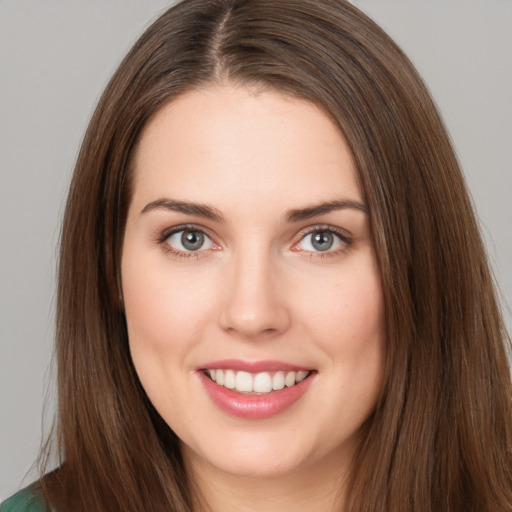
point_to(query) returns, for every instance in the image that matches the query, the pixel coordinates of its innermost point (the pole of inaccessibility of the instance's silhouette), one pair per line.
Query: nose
(254, 305)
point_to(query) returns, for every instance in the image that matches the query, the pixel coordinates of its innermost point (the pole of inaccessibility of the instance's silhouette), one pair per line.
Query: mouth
(255, 390)
(261, 383)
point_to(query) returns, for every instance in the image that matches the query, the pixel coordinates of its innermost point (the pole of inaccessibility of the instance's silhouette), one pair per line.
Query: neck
(319, 486)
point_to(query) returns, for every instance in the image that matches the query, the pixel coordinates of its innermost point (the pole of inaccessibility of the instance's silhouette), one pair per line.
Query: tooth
(301, 375)
(211, 373)
(229, 379)
(262, 383)
(289, 380)
(243, 382)
(219, 377)
(278, 381)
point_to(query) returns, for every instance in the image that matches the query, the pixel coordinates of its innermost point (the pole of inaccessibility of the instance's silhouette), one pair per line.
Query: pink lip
(254, 406)
(252, 366)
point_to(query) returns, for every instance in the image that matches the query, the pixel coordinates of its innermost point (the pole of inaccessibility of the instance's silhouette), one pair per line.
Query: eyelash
(169, 249)
(345, 241)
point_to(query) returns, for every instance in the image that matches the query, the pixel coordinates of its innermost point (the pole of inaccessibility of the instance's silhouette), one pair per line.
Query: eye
(321, 240)
(189, 240)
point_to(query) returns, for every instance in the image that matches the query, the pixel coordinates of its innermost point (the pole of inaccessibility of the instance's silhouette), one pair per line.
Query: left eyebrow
(309, 212)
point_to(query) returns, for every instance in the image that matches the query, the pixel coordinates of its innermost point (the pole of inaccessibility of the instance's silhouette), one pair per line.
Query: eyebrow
(197, 209)
(323, 208)
(295, 215)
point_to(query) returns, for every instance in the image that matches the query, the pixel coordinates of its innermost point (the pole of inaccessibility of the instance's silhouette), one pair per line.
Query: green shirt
(26, 500)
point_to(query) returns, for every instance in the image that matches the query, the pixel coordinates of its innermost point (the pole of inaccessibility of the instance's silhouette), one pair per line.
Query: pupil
(192, 240)
(322, 241)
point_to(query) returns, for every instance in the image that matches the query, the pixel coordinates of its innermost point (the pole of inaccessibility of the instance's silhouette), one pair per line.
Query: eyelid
(345, 238)
(343, 235)
(167, 233)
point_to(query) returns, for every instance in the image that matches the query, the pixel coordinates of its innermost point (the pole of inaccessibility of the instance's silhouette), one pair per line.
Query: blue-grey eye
(320, 241)
(189, 240)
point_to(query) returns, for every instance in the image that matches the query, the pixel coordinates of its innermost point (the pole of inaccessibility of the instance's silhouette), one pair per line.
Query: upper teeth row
(263, 382)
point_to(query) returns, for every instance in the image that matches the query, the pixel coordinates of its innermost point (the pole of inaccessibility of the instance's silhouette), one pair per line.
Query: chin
(267, 455)
(248, 454)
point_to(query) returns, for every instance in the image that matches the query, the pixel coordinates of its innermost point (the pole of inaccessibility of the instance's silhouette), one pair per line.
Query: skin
(258, 291)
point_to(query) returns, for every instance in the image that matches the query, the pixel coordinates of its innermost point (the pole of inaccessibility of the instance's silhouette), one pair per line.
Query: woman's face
(247, 259)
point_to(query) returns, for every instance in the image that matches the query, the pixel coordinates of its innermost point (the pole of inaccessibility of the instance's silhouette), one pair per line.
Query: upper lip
(252, 366)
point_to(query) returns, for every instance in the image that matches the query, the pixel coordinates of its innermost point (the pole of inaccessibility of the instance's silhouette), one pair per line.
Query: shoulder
(26, 500)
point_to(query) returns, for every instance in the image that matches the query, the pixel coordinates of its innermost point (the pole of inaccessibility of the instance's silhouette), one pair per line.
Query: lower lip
(254, 407)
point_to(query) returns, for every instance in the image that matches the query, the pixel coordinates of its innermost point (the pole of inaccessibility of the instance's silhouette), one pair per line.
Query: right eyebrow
(197, 209)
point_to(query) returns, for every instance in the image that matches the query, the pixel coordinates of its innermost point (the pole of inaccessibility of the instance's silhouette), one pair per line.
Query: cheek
(161, 306)
(163, 324)
(350, 329)
(348, 324)
(348, 313)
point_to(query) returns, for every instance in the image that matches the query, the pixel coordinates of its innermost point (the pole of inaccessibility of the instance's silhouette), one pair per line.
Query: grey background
(55, 58)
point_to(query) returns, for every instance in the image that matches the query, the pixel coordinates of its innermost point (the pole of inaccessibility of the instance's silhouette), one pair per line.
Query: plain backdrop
(56, 57)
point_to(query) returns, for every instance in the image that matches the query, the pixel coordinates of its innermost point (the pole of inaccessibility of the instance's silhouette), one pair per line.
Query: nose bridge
(253, 304)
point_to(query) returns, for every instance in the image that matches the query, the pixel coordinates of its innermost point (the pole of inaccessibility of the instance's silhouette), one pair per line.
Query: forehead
(226, 141)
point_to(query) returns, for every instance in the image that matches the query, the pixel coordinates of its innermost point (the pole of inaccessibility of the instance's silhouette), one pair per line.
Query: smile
(256, 383)
(256, 390)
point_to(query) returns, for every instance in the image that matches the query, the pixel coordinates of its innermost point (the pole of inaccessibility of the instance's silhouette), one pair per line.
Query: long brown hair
(440, 436)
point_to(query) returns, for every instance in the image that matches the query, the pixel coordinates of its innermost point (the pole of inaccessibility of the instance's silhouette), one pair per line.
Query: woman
(272, 290)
